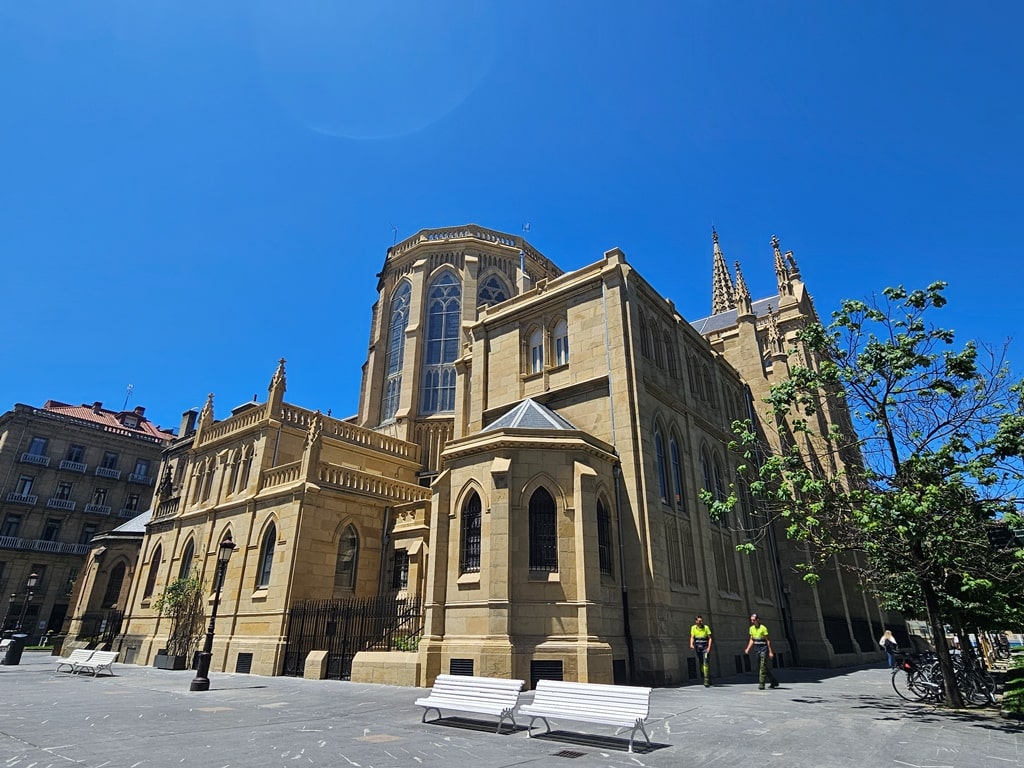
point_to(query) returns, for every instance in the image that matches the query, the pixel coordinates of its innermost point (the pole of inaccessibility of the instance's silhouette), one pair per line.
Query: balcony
(97, 509)
(74, 466)
(56, 547)
(66, 504)
(167, 508)
(113, 474)
(141, 479)
(128, 513)
(21, 498)
(35, 458)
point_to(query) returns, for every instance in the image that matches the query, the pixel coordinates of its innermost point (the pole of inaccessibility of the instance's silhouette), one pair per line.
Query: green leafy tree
(182, 602)
(894, 445)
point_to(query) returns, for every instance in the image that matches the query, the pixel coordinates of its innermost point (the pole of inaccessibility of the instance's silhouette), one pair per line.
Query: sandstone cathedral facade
(525, 464)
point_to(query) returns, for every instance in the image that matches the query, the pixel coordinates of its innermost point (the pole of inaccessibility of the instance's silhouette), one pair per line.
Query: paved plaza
(147, 718)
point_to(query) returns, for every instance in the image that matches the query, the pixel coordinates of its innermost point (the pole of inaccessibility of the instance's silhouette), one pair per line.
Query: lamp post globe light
(201, 682)
(33, 579)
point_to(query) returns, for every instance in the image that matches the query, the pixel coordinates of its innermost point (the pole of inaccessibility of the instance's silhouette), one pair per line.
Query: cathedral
(524, 470)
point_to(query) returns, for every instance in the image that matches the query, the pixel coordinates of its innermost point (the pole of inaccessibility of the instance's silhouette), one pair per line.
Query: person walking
(700, 641)
(760, 642)
(888, 644)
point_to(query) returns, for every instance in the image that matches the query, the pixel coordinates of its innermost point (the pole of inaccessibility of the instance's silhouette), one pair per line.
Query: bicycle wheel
(928, 683)
(908, 684)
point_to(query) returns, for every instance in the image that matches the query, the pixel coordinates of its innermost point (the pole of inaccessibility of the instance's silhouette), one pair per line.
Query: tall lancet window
(396, 351)
(444, 316)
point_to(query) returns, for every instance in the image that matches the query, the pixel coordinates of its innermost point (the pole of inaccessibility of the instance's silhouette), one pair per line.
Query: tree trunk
(952, 690)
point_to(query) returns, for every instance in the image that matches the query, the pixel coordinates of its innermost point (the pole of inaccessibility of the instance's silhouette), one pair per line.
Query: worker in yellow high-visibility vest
(700, 641)
(760, 642)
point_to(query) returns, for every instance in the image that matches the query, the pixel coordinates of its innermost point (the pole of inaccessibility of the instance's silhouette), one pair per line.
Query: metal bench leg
(640, 725)
(511, 716)
(426, 710)
(529, 731)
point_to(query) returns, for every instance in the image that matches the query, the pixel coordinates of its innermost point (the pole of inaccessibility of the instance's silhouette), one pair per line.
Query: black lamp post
(33, 579)
(201, 682)
(10, 607)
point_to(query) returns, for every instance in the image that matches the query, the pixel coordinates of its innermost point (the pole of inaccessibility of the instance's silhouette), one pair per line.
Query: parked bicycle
(917, 677)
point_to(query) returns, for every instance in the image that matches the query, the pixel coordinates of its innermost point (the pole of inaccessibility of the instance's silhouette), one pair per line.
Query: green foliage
(892, 445)
(405, 642)
(182, 602)
(1013, 694)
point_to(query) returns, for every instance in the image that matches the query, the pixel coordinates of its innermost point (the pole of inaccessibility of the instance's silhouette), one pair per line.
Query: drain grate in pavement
(569, 753)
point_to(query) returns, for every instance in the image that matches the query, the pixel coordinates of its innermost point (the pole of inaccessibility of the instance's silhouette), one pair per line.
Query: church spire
(744, 306)
(782, 275)
(276, 389)
(723, 294)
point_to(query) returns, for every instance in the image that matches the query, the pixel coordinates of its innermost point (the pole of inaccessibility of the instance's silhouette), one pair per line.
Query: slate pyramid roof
(529, 414)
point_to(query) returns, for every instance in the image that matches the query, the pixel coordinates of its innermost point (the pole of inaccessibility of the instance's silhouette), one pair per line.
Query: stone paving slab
(147, 718)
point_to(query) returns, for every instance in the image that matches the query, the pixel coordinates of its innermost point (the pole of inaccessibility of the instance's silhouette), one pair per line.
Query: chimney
(188, 422)
(97, 407)
(140, 410)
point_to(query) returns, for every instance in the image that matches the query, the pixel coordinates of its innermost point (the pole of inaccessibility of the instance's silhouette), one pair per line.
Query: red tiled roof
(97, 414)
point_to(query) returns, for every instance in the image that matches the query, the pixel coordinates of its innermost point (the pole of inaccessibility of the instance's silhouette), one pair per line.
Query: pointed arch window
(492, 291)
(561, 339)
(645, 342)
(604, 538)
(395, 357)
(189, 554)
(266, 557)
(154, 568)
(677, 473)
(114, 584)
(659, 356)
(659, 451)
(243, 479)
(543, 532)
(719, 485)
(671, 358)
(198, 481)
(708, 387)
(236, 463)
(705, 469)
(348, 559)
(211, 468)
(469, 550)
(444, 317)
(536, 345)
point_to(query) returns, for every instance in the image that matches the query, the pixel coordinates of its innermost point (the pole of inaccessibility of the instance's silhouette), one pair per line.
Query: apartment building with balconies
(67, 473)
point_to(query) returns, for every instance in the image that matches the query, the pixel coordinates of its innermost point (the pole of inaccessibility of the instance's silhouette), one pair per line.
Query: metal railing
(343, 628)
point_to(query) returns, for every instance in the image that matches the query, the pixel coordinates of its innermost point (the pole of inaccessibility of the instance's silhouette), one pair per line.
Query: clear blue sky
(189, 191)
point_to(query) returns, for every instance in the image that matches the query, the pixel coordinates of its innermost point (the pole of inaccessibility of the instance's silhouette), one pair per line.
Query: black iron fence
(100, 627)
(343, 628)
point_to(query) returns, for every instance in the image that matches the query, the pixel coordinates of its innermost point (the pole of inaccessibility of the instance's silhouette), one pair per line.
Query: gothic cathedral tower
(431, 289)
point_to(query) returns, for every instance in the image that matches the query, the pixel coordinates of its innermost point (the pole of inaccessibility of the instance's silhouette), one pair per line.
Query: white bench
(625, 706)
(77, 656)
(480, 695)
(96, 663)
